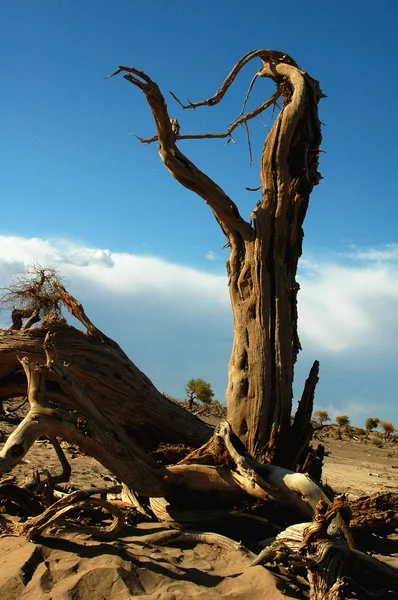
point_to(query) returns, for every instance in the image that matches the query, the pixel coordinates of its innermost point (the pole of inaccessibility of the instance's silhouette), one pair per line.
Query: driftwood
(9, 490)
(61, 406)
(115, 385)
(332, 567)
(34, 526)
(110, 444)
(334, 570)
(377, 512)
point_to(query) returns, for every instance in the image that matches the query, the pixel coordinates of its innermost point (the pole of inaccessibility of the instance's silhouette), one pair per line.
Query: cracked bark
(263, 254)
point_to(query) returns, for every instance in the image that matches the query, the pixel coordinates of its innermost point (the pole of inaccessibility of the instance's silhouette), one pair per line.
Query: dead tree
(81, 385)
(263, 253)
(263, 289)
(101, 386)
(124, 395)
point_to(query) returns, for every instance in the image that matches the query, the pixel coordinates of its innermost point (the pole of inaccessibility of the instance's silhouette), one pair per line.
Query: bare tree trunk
(263, 285)
(264, 253)
(117, 387)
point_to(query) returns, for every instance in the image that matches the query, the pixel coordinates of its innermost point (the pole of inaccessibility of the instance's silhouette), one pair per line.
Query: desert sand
(78, 567)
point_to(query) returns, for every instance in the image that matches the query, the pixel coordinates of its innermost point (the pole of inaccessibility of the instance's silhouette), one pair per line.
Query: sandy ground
(358, 468)
(80, 568)
(84, 569)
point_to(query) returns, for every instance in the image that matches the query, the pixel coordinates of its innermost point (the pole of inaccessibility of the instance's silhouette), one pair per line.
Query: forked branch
(180, 167)
(272, 56)
(290, 83)
(241, 120)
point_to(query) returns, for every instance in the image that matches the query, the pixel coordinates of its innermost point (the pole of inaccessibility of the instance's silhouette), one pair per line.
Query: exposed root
(35, 526)
(21, 497)
(164, 538)
(332, 567)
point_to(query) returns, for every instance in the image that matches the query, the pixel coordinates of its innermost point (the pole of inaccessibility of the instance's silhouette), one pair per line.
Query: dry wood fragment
(379, 511)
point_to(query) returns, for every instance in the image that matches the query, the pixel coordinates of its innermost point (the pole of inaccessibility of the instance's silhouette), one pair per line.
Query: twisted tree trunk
(264, 253)
(112, 396)
(119, 390)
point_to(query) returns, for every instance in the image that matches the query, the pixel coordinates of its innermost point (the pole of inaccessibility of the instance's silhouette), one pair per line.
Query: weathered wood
(333, 569)
(379, 511)
(263, 253)
(116, 386)
(109, 443)
(34, 526)
(22, 498)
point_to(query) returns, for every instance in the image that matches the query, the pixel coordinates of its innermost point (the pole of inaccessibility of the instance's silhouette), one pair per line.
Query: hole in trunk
(243, 361)
(243, 387)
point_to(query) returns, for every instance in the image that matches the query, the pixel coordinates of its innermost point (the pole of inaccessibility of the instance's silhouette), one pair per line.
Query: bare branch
(131, 70)
(176, 535)
(264, 55)
(76, 309)
(246, 97)
(34, 526)
(246, 127)
(32, 296)
(181, 168)
(66, 468)
(228, 134)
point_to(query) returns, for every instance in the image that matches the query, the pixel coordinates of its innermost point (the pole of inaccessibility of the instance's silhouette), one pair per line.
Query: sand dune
(81, 568)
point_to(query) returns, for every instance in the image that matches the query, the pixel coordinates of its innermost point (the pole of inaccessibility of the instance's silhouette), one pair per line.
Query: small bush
(321, 417)
(371, 423)
(388, 429)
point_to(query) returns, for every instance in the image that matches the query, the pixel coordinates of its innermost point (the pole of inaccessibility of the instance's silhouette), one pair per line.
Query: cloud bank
(175, 321)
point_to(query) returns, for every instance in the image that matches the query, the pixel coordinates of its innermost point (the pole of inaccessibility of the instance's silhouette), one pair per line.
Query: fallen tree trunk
(116, 386)
(87, 425)
(176, 490)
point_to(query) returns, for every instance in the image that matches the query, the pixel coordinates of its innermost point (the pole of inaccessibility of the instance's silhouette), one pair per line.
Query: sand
(77, 567)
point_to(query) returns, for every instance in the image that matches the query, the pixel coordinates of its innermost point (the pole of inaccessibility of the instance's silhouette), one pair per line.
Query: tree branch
(227, 134)
(273, 56)
(180, 167)
(34, 526)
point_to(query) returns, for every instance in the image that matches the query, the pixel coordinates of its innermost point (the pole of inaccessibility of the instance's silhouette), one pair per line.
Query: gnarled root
(332, 567)
(34, 526)
(173, 536)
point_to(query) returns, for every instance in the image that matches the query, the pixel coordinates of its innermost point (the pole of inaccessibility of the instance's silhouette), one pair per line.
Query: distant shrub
(198, 389)
(388, 429)
(321, 417)
(342, 420)
(371, 423)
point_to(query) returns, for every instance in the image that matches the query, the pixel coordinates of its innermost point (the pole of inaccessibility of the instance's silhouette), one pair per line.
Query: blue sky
(143, 254)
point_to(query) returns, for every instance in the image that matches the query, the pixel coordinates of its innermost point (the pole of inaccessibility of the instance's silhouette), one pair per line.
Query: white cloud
(348, 308)
(386, 253)
(116, 273)
(211, 255)
(83, 257)
(175, 321)
(343, 308)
